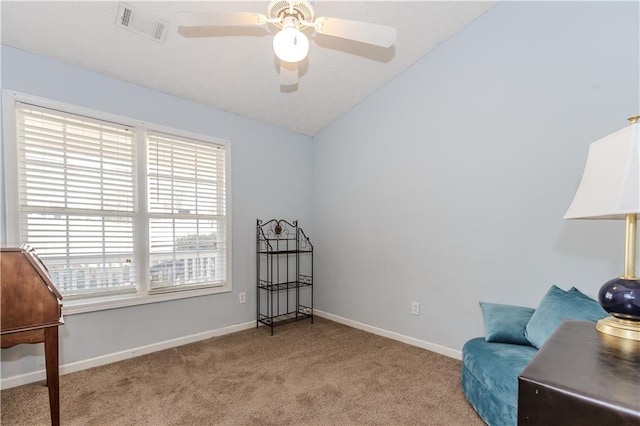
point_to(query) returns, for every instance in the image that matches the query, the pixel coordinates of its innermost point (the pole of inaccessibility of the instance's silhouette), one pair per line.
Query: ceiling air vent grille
(142, 24)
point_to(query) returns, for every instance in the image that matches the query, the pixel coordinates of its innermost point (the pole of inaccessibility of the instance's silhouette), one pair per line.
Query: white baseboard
(452, 353)
(39, 375)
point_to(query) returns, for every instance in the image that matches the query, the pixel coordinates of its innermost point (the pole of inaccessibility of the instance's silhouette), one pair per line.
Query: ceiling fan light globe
(291, 45)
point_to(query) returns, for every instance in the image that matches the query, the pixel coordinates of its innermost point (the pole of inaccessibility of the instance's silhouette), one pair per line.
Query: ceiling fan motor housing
(300, 10)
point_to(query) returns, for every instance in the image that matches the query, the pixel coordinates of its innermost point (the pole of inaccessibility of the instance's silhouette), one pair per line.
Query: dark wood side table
(31, 311)
(581, 377)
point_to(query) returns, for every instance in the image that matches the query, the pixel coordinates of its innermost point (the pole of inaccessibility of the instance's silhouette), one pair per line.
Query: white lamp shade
(291, 45)
(610, 185)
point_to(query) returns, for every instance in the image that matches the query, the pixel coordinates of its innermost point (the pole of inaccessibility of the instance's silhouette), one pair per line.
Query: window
(76, 188)
(114, 207)
(186, 187)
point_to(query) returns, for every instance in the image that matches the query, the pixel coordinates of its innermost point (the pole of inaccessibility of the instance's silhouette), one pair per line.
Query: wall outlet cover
(415, 308)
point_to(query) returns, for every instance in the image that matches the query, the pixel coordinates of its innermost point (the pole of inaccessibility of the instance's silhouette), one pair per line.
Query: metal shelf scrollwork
(284, 273)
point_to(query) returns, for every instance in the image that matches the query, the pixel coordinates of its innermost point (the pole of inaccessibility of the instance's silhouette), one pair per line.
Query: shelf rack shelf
(284, 268)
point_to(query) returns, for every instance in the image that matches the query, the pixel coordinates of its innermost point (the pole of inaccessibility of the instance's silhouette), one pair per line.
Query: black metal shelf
(284, 273)
(303, 313)
(289, 285)
(285, 252)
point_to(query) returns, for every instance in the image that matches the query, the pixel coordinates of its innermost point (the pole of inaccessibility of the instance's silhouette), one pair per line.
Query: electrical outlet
(415, 308)
(242, 297)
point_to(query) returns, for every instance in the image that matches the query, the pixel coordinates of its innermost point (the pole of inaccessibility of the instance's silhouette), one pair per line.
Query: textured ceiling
(235, 69)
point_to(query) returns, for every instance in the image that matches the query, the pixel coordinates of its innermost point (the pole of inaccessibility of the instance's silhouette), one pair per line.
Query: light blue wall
(448, 185)
(255, 147)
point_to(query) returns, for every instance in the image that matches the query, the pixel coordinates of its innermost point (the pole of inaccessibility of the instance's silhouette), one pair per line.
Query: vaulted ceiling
(235, 69)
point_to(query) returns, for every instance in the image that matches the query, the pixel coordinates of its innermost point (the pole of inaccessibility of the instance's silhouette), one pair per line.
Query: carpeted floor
(306, 374)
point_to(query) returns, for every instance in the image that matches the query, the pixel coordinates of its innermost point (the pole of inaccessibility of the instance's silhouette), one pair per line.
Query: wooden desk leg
(53, 380)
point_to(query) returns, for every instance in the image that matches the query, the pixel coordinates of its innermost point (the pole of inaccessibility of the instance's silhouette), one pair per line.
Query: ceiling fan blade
(220, 19)
(288, 73)
(376, 34)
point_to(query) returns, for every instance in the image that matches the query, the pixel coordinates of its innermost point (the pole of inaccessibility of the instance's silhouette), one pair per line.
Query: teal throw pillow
(505, 323)
(556, 306)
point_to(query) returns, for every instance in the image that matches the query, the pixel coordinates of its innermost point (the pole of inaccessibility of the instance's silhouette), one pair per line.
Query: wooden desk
(581, 377)
(31, 311)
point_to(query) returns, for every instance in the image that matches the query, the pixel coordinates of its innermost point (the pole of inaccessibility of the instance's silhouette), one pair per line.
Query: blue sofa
(513, 334)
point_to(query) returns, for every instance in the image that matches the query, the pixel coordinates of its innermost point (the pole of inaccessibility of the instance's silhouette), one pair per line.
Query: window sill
(80, 306)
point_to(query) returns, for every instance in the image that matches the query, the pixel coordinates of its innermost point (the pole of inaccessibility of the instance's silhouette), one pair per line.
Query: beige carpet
(306, 374)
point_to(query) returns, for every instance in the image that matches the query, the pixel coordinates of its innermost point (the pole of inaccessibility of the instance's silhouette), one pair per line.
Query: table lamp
(610, 189)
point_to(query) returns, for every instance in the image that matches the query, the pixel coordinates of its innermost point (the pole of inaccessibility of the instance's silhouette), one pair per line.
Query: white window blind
(187, 212)
(77, 198)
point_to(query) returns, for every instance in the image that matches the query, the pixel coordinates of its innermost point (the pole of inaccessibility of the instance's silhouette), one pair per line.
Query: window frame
(10, 230)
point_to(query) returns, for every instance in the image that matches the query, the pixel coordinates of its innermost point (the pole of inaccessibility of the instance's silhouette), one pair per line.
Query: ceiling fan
(292, 17)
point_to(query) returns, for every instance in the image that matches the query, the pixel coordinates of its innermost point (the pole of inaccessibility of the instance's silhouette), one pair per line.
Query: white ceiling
(235, 70)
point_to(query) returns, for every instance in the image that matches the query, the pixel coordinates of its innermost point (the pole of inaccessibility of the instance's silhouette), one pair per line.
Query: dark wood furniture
(31, 311)
(581, 377)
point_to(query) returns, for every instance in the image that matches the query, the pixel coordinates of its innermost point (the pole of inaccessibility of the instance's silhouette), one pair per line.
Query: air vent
(142, 24)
